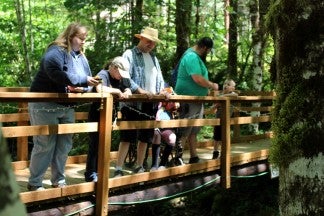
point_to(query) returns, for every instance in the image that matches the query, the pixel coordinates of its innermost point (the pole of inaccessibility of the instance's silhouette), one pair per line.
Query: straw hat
(123, 66)
(149, 33)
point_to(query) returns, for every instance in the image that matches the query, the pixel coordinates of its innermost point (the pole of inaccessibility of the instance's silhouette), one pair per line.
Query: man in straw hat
(146, 78)
(114, 79)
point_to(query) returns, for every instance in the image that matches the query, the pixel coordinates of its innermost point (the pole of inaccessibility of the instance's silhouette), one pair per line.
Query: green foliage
(206, 133)
(43, 28)
(108, 37)
(81, 143)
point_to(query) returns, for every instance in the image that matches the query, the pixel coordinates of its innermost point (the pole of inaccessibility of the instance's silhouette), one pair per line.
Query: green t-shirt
(191, 64)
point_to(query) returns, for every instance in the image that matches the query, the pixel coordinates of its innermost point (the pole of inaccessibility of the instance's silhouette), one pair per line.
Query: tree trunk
(297, 149)
(232, 45)
(257, 41)
(257, 70)
(226, 19)
(10, 204)
(183, 12)
(25, 76)
(197, 20)
(137, 19)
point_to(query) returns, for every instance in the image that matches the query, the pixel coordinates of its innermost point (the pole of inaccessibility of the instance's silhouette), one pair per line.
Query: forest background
(242, 51)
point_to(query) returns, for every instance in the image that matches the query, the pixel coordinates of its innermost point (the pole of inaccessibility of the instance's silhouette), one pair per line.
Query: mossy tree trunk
(298, 30)
(10, 204)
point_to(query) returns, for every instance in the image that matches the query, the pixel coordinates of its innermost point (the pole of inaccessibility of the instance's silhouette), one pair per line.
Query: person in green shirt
(192, 79)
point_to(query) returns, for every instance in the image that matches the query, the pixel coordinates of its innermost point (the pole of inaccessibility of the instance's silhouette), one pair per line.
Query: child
(165, 112)
(111, 78)
(228, 90)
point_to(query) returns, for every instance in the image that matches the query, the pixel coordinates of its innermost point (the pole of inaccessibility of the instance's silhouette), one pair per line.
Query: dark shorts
(191, 111)
(217, 133)
(218, 128)
(147, 112)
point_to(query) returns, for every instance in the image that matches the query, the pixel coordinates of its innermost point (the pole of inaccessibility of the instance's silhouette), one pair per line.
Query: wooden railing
(22, 130)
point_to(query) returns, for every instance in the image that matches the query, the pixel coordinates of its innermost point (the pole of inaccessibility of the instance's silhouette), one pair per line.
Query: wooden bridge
(240, 155)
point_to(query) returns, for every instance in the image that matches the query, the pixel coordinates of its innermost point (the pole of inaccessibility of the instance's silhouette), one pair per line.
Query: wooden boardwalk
(16, 125)
(134, 191)
(74, 172)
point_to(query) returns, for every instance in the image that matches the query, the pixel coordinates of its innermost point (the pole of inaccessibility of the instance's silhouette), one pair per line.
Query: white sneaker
(139, 169)
(35, 188)
(161, 168)
(153, 169)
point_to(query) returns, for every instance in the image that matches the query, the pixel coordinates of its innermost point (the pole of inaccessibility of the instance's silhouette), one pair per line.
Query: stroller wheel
(180, 161)
(177, 161)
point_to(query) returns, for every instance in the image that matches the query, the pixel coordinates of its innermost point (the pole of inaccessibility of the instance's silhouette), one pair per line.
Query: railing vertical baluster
(105, 128)
(22, 142)
(236, 127)
(226, 144)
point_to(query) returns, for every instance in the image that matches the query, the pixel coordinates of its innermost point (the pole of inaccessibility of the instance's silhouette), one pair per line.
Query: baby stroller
(169, 137)
(166, 111)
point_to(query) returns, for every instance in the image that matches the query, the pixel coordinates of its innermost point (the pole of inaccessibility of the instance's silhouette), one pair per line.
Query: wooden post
(236, 127)
(105, 128)
(226, 144)
(22, 142)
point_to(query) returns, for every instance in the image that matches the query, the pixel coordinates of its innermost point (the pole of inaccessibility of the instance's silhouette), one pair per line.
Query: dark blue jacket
(57, 70)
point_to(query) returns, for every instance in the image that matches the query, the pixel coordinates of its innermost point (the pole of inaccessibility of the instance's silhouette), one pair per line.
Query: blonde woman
(63, 68)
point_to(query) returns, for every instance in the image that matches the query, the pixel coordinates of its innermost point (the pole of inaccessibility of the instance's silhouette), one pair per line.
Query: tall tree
(20, 13)
(197, 19)
(258, 9)
(100, 31)
(137, 18)
(232, 45)
(298, 30)
(182, 25)
(258, 42)
(226, 19)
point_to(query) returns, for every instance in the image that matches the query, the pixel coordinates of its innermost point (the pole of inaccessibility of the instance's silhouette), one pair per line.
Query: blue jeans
(49, 150)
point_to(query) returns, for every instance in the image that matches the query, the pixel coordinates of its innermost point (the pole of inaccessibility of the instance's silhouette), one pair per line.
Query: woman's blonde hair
(65, 38)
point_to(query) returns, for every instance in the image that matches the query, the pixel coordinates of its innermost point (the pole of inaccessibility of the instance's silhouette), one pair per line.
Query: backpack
(174, 72)
(174, 75)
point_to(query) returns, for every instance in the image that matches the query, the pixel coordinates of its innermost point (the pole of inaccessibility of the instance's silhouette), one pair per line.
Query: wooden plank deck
(241, 153)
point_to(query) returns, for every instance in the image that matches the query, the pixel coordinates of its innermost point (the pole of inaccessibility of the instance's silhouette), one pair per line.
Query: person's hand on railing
(166, 94)
(126, 93)
(148, 94)
(214, 86)
(74, 89)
